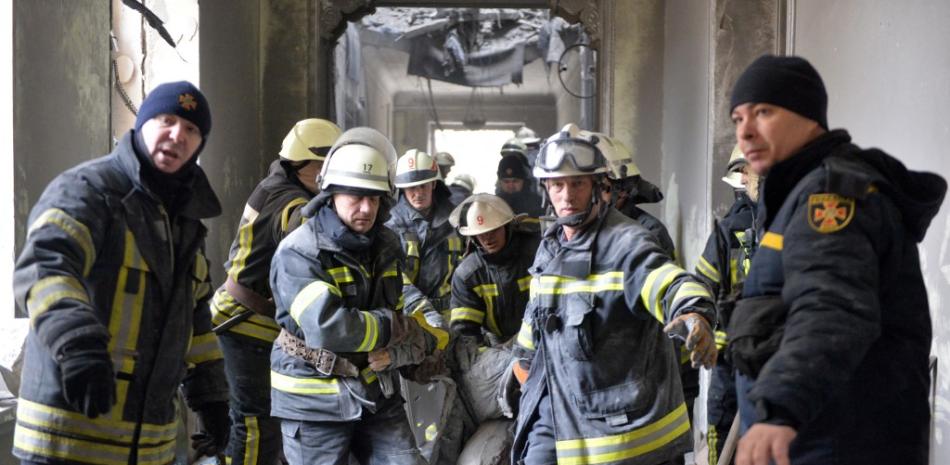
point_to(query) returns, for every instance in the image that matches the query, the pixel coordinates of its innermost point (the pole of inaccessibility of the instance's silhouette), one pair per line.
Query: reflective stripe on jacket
(340, 301)
(492, 294)
(103, 258)
(272, 211)
(597, 310)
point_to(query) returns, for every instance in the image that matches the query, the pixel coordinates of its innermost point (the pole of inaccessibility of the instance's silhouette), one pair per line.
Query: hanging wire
(561, 68)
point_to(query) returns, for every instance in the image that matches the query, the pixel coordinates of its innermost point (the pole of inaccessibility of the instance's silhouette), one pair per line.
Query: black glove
(88, 378)
(215, 430)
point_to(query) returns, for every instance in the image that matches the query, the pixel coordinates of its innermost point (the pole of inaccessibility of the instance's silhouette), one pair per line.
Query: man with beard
(603, 379)
(243, 307)
(115, 281)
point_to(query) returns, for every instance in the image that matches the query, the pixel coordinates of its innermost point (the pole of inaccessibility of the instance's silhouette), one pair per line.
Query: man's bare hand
(764, 442)
(379, 359)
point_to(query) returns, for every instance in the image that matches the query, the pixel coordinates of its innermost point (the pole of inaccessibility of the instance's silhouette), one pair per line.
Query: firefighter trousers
(255, 435)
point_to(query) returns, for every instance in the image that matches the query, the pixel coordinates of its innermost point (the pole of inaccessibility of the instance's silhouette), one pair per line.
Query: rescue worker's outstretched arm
(832, 289)
(674, 298)
(49, 284)
(307, 296)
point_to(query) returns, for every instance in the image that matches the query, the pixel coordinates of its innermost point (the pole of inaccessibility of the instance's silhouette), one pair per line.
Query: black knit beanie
(511, 166)
(181, 99)
(787, 81)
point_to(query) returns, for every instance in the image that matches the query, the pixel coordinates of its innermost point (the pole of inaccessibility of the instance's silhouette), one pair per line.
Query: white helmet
(733, 175)
(619, 158)
(464, 180)
(481, 213)
(527, 135)
(309, 139)
(416, 167)
(362, 158)
(570, 144)
(445, 159)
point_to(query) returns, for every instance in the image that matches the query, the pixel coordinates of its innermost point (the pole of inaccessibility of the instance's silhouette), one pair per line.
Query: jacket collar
(202, 203)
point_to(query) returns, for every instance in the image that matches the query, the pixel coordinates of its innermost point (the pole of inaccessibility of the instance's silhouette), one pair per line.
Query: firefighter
(515, 183)
(337, 282)
(271, 213)
(602, 383)
(723, 266)
(832, 334)
(433, 251)
(114, 278)
(446, 161)
(624, 188)
(461, 185)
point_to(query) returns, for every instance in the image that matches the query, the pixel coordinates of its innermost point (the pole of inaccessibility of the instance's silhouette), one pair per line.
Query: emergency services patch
(828, 213)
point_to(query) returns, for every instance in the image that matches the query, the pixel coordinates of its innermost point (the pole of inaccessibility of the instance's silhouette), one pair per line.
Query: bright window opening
(476, 152)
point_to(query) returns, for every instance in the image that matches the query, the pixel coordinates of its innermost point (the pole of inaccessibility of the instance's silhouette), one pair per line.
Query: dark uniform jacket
(839, 248)
(594, 325)
(271, 212)
(653, 225)
(490, 291)
(433, 250)
(339, 299)
(725, 261)
(104, 259)
(527, 201)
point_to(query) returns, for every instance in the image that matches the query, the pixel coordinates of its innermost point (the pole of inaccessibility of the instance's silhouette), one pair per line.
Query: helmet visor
(582, 155)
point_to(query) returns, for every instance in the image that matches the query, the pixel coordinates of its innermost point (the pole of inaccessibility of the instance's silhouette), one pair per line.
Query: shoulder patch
(828, 213)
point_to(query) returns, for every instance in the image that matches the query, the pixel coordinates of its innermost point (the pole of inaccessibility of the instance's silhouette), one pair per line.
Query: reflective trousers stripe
(625, 445)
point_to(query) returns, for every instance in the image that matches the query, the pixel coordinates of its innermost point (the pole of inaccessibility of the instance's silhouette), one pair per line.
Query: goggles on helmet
(583, 155)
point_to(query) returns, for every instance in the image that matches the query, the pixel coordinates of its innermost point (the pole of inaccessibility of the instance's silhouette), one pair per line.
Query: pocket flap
(576, 309)
(613, 401)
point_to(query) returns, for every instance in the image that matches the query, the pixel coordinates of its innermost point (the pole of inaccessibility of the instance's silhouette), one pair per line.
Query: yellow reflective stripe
(391, 272)
(303, 385)
(773, 241)
(369, 376)
(50, 290)
(412, 248)
(245, 240)
(74, 229)
(708, 270)
(441, 335)
(252, 440)
(524, 283)
(81, 450)
(257, 326)
(204, 348)
(125, 319)
(201, 266)
(455, 244)
(610, 281)
(285, 224)
(624, 446)
(401, 303)
(468, 314)
(341, 275)
(370, 333)
(526, 335)
(488, 292)
(308, 295)
(688, 290)
(655, 287)
(405, 279)
(712, 439)
(446, 287)
(722, 339)
(41, 416)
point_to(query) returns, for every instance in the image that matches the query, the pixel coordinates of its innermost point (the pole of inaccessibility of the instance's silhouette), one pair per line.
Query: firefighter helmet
(362, 158)
(463, 180)
(309, 139)
(445, 159)
(737, 162)
(619, 158)
(416, 167)
(514, 146)
(569, 144)
(480, 214)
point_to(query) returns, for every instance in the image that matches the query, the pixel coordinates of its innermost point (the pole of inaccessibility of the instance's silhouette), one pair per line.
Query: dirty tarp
(483, 68)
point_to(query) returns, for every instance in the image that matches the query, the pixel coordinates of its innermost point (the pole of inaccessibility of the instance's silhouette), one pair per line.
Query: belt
(324, 361)
(250, 299)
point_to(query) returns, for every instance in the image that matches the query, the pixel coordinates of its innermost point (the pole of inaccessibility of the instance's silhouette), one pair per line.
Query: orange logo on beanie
(187, 101)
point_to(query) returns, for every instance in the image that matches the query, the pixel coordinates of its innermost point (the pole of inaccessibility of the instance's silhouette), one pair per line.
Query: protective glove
(215, 430)
(88, 378)
(465, 349)
(695, 332)
(407, 345)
